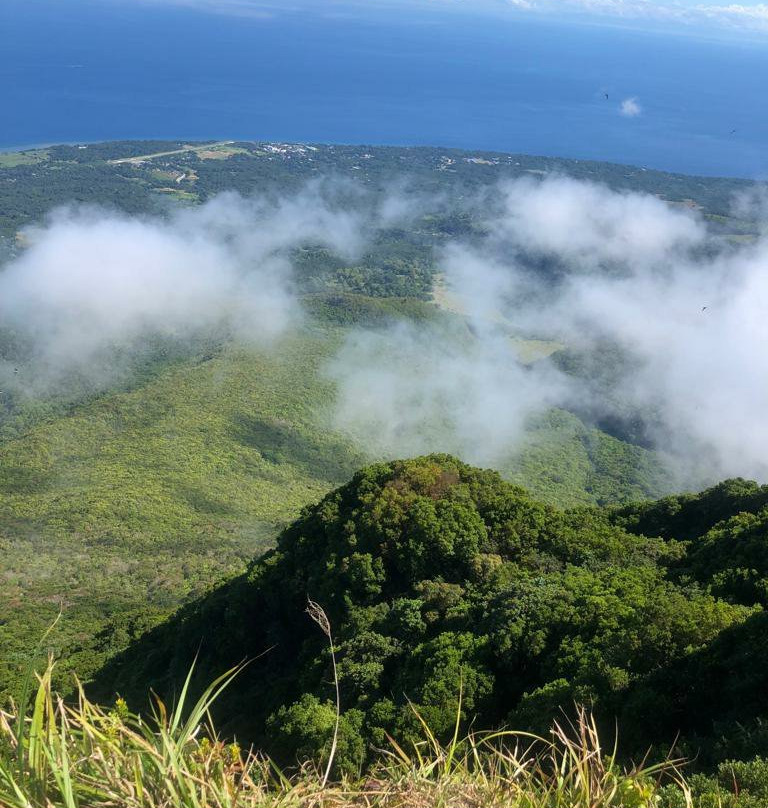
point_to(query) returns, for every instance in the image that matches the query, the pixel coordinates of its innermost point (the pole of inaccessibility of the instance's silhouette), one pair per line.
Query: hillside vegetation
(450, 591)
(121, 509)
(455, 602)
(118, 508)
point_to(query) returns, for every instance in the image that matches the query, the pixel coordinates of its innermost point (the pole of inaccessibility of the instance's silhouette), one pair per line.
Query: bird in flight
(606, 96)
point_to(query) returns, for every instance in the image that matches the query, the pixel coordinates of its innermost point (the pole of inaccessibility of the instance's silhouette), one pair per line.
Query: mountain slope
(118, 508)
(137, 500)
(440, 579)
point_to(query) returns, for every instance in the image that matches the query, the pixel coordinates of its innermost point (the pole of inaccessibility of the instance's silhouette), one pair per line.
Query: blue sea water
(80, 71)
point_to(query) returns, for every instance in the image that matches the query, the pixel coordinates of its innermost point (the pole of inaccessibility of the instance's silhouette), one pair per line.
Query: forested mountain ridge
(442, 582)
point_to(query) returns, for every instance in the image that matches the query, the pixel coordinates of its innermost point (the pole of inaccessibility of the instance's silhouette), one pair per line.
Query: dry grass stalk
(58, 755)
(317, 613)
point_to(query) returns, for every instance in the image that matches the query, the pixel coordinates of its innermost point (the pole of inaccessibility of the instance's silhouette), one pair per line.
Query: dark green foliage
(441, 579)
(93, 152)
(72, 173)
(732, 558)
(735, 784)
(687, 516)
(348, 309)
(716, 696)
(29, 192)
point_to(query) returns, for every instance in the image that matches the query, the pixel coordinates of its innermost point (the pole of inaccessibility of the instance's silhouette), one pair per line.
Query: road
(140, 158)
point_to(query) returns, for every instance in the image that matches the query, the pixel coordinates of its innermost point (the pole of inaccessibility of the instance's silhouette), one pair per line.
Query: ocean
(116, 69)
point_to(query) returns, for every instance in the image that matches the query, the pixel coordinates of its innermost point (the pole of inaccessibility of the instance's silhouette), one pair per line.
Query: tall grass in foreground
(79, 755)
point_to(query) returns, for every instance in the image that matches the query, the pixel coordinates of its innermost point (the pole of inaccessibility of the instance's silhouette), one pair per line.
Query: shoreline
(288, 141)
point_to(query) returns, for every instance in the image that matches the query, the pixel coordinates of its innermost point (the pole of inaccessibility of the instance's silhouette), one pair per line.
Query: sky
(691, 16)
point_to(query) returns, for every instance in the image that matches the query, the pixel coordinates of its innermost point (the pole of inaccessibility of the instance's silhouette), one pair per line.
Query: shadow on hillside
(201, 500)
(230, 625)
(24, 480)
(714, 696)
(280, 442)
(160, 659)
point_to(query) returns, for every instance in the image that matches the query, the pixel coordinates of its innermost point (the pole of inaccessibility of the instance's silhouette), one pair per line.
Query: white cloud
(744, 16)
(589, 225)
(409, 390)
(748, 16)
(636, 273)
(95, 284)
(737, 12)
(630, 108)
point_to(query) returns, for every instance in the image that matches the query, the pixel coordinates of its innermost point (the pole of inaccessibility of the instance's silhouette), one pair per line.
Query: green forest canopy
(439, 578)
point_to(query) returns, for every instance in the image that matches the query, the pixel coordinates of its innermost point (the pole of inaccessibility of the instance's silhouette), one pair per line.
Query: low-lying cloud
(92, 282)
(570, 263)
(698, 331)
(687, 312)
(411, 390)
(588, 226)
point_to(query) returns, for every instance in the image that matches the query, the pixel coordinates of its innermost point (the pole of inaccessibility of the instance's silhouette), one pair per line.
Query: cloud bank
(686, 312)
(92, 283)
(596, 272)
(749, 16)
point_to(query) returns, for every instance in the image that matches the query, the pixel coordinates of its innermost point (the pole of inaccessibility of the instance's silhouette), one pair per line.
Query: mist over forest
(383, 392)
(639, 289)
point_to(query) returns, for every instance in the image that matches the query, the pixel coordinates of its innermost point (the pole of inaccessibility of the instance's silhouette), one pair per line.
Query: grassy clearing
(220, 152)
(178, 193)
(533, 350)
(55, 754)
(22, 158)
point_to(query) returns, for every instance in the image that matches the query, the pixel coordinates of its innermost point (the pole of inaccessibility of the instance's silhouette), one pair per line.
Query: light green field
(178, 193)
(22, 158)
(206, 152)
(528, 350)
